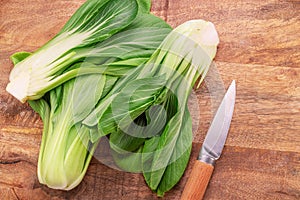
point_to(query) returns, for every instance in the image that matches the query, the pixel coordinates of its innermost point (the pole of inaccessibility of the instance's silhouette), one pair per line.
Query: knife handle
(198, 181)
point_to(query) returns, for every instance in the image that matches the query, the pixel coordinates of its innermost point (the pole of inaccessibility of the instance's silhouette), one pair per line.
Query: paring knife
(211, 149)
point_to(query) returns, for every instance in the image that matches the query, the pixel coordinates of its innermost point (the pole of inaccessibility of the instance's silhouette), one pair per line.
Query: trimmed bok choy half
(146, 114)
(67, 146)
(93, 22)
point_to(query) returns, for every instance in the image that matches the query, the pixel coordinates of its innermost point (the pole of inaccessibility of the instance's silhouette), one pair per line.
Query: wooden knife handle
(198, 181)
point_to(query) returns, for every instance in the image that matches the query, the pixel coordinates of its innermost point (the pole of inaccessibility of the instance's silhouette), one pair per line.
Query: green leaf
(164, 152)
(148, 20)
(98, 112)
(109, 84)
(42, 108)
(127, 149)
(109, 19)
(180, 157)
(100, 19)
(130, 40)
(144, 6)
(85, 97)
(85, 12)
(164, 168)
(156, 120)
(125, 142)
(132, 101)
(19, 56)
(126, 139)
(149, 149)
(128, 161)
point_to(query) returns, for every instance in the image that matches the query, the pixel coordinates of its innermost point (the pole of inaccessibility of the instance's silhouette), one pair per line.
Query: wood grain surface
(259, 48)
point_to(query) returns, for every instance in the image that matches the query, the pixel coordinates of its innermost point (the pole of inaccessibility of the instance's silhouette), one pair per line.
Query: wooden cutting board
(259, 48)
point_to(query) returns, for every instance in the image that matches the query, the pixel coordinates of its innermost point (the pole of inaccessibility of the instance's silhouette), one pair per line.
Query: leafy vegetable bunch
(116, 71)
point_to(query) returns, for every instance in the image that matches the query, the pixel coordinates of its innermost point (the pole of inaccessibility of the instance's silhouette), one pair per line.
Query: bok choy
(66, 147)
(67, 141)
(93, 22)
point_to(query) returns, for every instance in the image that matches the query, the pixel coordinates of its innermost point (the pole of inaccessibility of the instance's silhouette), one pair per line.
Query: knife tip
(232, 86)
(233, 83)
(232, 91)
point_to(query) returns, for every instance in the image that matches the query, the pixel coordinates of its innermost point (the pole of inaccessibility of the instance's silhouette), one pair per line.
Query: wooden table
(259, 48)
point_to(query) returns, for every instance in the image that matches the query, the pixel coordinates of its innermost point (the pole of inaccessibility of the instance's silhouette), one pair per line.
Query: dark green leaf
(163, 153)
(148, 20)
(125, 142)
(164, 168)
(111, 18)
(132, 101)
(101, 18)
(85, 12)
(180, 157)
(128, 161)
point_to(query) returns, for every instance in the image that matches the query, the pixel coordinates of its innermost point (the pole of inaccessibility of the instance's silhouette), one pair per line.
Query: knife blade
(211, 149)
